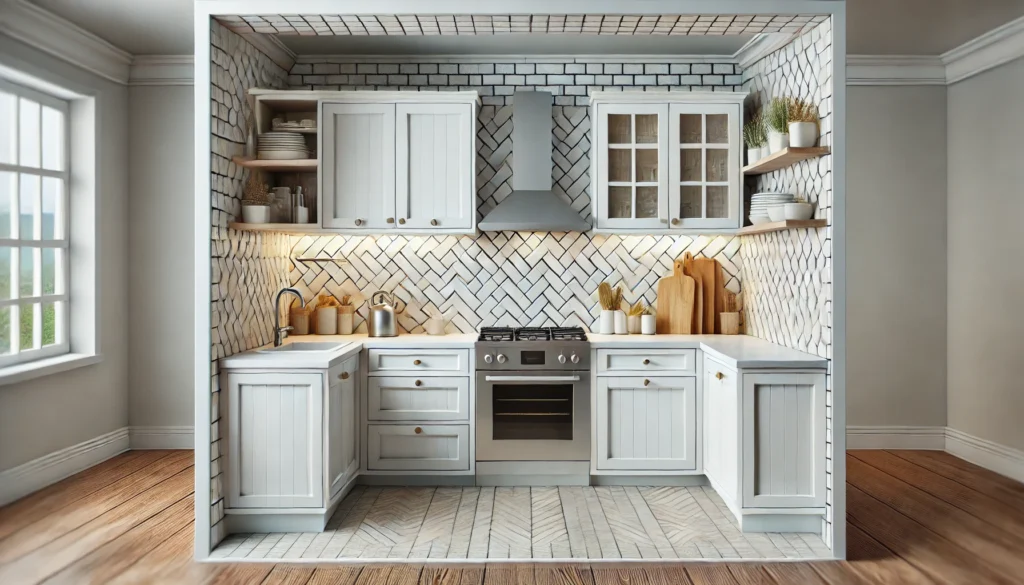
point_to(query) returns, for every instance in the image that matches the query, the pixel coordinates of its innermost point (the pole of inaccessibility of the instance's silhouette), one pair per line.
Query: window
(34, 230)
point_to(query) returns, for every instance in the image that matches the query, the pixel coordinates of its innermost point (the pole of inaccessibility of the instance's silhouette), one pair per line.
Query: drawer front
(421, 398)
(419, 362)
(418, 448)
(618, 361)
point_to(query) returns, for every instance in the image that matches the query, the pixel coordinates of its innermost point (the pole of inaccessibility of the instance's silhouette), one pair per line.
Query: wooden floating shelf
(784, 158)
(305, 164)
(778, 226)
(290, 228)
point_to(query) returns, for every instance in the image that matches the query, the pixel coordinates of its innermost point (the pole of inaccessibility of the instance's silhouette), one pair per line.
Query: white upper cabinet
(667, 162)
(398, 163)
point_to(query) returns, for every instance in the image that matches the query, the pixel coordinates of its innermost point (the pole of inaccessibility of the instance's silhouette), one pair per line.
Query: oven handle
(531, 378)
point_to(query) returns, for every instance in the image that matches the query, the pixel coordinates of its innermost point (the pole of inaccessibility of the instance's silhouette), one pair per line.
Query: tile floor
(527, 523)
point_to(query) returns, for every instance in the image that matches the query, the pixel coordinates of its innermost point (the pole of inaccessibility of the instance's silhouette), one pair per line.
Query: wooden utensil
(675, 302)
(689, 269)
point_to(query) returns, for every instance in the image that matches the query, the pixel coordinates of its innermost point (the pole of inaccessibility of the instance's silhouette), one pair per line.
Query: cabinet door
(342, 437)
(275, 440)
(721, 429)
(647, 423)
(783, 428)
(704, 166)
(357, 166)
(435, 177)
(632, 166)
(418, 448)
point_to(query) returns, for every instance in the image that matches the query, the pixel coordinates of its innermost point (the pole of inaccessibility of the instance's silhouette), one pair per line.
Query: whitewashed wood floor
(527, 523)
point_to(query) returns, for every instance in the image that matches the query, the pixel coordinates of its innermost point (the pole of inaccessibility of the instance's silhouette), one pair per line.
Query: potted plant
(776, 119)
(803, 124)
(256, 199)
(754, 136)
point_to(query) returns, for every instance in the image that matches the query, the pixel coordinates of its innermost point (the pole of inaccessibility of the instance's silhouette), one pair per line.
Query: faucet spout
(280, 333)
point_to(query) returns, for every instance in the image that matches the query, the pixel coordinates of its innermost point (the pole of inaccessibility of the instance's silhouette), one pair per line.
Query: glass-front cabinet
(667, 161)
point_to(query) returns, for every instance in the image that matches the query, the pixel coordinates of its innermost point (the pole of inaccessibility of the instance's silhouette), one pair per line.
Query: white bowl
(777, 213)
(798, 210)
(759, 219)
(256, 213)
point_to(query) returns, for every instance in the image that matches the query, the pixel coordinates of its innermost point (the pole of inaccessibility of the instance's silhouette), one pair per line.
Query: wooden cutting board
(675, 302)
(708, 270)
(697, 326)
(719, 295)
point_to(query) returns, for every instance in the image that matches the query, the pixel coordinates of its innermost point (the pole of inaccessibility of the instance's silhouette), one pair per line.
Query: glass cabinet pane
(646, 128)
(620, 129)
(620, 202)
(646, 165)
(647, 202)
(717, 165)
(718, 128)
(690, 201)
(690, 165)
(690, 129)
(718, 202)
(620, 165)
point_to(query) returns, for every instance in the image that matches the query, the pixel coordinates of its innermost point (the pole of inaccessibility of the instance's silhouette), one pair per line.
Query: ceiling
(906, 27)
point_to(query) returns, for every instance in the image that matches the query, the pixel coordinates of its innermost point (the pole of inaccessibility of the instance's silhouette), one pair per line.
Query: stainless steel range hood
(532, 205)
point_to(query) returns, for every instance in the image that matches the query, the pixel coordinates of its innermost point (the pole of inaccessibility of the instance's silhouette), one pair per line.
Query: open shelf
(778, 226)
(784, 158)
(300, 165)
(291, 228)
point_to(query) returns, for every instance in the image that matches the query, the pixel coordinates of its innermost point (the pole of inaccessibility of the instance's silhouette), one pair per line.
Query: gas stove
(532, 348)
(532, 334)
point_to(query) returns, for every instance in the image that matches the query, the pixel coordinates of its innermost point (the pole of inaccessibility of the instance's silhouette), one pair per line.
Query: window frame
(17, 355)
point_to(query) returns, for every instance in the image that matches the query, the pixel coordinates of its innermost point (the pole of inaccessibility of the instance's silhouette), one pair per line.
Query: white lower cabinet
(343, 426)
(424, 398)
(722, 429)
(646, 423)
(418, 448)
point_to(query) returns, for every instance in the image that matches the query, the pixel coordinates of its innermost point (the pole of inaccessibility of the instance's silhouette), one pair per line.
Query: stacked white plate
(760, 202)
(282, 146)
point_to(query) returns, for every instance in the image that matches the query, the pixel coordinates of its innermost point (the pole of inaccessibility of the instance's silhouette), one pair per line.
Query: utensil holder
(327, 321)
(345, 318)
(299, 321)
(434, 326)
(647, 324)
(606, 325)
(619, 323)
(633, 324)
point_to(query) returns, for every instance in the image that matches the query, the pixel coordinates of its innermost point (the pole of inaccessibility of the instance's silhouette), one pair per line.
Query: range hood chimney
(532, 205)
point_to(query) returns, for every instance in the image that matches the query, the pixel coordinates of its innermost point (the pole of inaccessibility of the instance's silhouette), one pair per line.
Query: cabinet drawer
(616, 361)
(426, 398)
(419, 362)
(418, 448)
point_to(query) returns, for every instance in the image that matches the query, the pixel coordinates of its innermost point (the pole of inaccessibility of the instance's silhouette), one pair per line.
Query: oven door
(533, 416)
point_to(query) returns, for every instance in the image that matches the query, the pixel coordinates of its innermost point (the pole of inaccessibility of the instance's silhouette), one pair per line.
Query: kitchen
(489, 206)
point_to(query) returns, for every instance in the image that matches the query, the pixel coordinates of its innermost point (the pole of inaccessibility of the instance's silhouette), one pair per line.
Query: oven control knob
(501, 358)
(561, 358)
(488, 358)
(574, 358)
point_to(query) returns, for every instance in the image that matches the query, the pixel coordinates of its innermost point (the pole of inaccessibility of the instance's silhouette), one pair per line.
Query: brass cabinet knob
(647, 362)
(647, 382)
(419, 431)
(343, 375)
(675, 221)
(433, 222)
(391, 220)
(418, 382)
(359, 222)
(401, 220)
(416, 362)
(719, 375)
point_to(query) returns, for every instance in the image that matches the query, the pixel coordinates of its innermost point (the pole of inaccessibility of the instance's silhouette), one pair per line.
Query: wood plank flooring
(915, 517)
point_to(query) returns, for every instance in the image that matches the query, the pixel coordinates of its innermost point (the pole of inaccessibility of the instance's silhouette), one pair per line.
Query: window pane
(53, 212)
(620, 202)
(620, 167)
(53, 139)
(646, 165)
(717, 165)
(49, 271)
(619, 131)
(718, 128)
(690, 130)
(691, 202)
(8, 186)
(5, 273)
(5, 330)
(27, 198)
(28, 319)
(718, 201)
(27, 272)
(28, 130)
(49, 324)
(646, 128)
(8, 139)
(647, 202)
(689, 164)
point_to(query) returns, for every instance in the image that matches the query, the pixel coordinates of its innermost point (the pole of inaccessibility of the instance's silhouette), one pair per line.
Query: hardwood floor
(914, 517)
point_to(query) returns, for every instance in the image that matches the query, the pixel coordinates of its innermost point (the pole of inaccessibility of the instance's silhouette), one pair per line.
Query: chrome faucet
(280, 333)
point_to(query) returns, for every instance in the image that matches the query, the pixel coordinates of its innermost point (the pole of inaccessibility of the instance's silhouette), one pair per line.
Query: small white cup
(619, 323)
(434, 326)
(647, 325)
(606, 326)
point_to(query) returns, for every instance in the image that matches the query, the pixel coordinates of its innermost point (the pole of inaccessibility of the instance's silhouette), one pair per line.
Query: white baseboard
(896, 437)
(36, 474)
(161, 437)
(992, 456)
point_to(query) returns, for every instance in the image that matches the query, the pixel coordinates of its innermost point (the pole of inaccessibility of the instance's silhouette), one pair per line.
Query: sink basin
(306, 346)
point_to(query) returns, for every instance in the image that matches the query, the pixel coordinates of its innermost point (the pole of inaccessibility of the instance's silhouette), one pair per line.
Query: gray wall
(896, 242)
(160, 256)
(986, 276)
(41, 416)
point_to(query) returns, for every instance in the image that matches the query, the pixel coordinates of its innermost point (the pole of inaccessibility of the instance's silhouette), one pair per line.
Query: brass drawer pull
(391, 220)
(401, 220)
(418, 382)
(343, 375)
(416, 362)
(719, 375)
(419, 431)
(647, 382)
(433, 222)
(647, 362)
(359, 222)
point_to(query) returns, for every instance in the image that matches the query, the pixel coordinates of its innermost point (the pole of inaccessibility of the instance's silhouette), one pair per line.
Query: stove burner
(568, 334)
(496, 334)
(532, 334)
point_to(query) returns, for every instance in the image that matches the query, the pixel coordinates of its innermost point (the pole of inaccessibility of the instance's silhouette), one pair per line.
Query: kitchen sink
(306, 346)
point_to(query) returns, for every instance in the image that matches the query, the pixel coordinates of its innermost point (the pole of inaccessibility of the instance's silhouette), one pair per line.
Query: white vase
(777, 141)
(633, 324)
(753, 155)
(606, 326)
(647, 325)
(345, 323)
(765, 152)
(256, 213)
(803, 134)
(619, 323)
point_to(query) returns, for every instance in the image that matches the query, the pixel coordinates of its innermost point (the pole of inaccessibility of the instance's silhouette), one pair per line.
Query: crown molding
(273, 48)
(894, 70)
(161, 70)
(760, 47)
(992, 49)
(63, 39)
(483, 58)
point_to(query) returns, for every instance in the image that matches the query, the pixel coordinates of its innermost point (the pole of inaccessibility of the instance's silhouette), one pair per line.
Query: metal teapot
(381, 322)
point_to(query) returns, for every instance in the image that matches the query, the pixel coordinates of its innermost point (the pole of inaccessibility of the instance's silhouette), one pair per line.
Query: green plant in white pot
(754, 136)
(803, 124)
(776, 119)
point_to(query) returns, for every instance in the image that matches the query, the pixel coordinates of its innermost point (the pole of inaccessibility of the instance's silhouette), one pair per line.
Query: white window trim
(80, 220)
